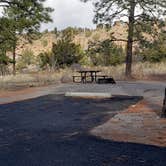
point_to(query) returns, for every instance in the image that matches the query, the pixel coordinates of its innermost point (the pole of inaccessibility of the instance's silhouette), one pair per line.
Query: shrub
(155, 51)
(156, 54)
(66, 53)
(44, 60)
(105, 53)
(27, 58)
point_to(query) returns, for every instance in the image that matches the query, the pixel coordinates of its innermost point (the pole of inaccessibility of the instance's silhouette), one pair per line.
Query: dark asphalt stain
(53, 131)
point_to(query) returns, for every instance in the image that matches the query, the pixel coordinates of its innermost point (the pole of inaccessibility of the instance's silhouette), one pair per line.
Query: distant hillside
(44, 44)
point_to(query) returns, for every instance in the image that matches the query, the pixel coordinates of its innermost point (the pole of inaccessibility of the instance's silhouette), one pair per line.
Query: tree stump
(163, 115)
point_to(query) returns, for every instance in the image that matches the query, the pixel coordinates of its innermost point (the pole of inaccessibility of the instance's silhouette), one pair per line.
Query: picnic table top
(86, 71)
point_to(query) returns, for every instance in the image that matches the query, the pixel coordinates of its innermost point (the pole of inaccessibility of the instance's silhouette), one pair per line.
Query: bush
(156, 54)
(27, 58)
(155, 51)
(105, 53)
(44, 60)
(66, 53)
(4, 61)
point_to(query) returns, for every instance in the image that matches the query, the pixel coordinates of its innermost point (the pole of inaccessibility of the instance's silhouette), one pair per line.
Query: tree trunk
(14, 60)
(129, 50)
(164, 106)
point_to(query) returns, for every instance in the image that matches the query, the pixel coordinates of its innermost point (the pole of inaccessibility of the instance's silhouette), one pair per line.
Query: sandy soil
(137, 124)
(8, 96)
(9, 93)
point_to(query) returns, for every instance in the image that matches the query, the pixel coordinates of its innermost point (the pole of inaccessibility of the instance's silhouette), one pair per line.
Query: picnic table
(88, 76)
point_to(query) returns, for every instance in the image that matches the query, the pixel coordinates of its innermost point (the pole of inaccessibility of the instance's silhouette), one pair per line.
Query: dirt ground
(137, 124)
(9, 93)
(8, 96)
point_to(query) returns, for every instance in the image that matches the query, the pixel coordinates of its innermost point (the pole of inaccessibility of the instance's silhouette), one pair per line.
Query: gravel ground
(53, 130)
(153, 91)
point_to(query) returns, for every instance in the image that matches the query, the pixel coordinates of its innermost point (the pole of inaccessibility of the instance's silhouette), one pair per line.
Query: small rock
(66, 79)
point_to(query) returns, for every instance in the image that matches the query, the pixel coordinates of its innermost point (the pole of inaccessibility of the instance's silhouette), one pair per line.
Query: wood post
(163, 115)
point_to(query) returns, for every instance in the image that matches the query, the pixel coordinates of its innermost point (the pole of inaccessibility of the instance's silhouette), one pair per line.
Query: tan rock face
(44, 44)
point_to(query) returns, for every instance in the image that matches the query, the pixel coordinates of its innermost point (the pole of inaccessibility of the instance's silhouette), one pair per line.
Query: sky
(70, 13)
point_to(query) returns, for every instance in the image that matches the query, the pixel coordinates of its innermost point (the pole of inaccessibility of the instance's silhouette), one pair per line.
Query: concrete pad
(88, 94)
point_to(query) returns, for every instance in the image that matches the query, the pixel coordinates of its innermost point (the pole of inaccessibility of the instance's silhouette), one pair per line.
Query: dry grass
(33, 80)
(140, 71)
(146, 70)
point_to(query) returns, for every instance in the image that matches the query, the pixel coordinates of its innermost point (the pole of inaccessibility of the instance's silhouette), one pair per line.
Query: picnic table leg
(95, 76)
(82, 78)
(91, 75)
(85, 78)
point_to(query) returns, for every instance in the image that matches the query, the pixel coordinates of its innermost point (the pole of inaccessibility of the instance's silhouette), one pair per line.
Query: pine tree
(137, 13)
(24, 17)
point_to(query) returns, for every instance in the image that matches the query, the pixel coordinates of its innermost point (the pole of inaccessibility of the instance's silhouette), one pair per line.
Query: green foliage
(5, 60)
(44, 60)
(28, 15)
(156, 51)
(69, 33)
(34, 36)
(107, 27)
(7, 38)
(105, 53)
(55, 31)
(156, 54)
(65, 52)
(100, 26)
(85, 60)
(109, 11)
(26, 59)
(21, 17)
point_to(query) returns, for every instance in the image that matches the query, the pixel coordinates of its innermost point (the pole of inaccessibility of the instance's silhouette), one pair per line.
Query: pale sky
(70, 13)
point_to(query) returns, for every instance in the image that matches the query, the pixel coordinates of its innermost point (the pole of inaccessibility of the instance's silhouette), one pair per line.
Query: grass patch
(141, 71)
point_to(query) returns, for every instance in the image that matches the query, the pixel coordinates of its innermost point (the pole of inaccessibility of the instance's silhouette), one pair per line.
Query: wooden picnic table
(87, 76)
(92, 76)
